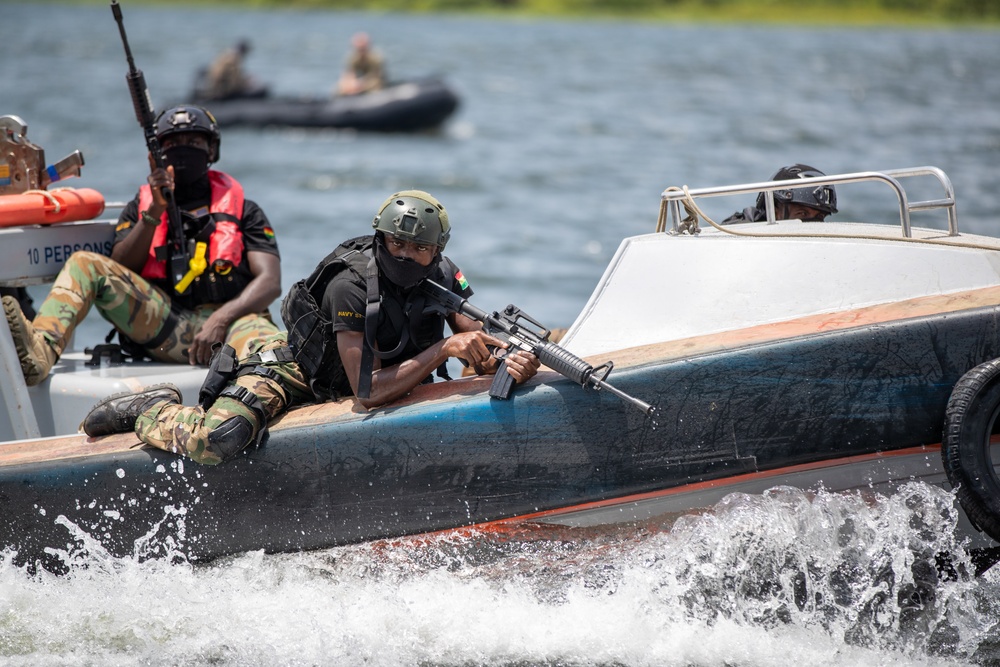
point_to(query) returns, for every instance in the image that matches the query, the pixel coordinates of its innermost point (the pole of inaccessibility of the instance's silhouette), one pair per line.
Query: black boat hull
(404, 107)
(451, 457)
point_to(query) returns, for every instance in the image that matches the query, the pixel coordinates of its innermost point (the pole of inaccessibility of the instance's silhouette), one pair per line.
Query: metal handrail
(673, 197)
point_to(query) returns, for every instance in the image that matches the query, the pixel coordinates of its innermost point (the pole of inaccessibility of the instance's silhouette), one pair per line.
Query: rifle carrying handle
(503, 382)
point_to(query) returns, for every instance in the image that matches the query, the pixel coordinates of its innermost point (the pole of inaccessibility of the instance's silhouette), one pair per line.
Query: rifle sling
(400, 321)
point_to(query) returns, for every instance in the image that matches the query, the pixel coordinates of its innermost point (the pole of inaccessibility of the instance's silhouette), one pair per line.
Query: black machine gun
(509, 326)
(179, 258)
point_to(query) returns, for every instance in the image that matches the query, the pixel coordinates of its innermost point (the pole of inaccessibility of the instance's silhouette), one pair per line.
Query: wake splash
(786, 577)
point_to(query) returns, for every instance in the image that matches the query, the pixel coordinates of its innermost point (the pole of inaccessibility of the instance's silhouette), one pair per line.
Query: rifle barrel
(642, 405)
(117, 11)
(143, 104)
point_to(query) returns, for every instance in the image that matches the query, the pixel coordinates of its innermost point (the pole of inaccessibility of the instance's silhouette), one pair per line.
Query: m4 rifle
(179, 256)
(511, 326)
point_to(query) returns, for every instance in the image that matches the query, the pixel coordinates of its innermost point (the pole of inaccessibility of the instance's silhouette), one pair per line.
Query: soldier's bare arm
(132, 251)
(394, 382)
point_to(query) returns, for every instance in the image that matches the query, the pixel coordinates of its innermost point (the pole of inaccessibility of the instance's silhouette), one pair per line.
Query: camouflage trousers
(185, 430)
(134, 306)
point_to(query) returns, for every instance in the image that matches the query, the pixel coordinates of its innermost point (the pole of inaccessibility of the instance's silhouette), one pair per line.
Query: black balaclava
(190, 164)
(401, 271)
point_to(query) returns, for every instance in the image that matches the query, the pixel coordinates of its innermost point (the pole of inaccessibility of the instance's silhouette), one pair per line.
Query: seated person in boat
(135, 290)
(805, 204)
(226, 78)
(358, 326)
(365, 69)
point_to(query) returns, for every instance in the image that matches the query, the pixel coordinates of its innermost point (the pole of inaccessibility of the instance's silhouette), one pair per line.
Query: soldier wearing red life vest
(359, 326)
(234, 272)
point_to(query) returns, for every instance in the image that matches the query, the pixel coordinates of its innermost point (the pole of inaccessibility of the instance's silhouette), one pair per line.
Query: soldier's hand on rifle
(522, 365)
(472, 347)
(159, 179)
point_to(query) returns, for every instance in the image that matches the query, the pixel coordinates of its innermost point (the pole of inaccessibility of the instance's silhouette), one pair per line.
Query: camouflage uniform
(185, 429)
(368, 69)
(134, 306)
(225, 77)
(269, 379)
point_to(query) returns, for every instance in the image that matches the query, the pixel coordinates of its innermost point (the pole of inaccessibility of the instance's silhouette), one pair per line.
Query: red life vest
(225, 245)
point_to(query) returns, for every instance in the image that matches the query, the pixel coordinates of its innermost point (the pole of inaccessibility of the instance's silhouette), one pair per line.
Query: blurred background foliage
(764, 11)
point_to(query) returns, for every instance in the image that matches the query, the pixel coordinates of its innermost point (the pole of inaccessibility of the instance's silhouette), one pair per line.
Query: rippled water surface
(567, 133)
(782, 578)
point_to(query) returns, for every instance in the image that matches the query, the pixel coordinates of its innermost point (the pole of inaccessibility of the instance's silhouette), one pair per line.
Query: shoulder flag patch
(268, 232)
(462, 282)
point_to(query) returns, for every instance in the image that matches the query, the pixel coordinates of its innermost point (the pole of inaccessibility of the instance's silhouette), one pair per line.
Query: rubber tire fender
(970, 418)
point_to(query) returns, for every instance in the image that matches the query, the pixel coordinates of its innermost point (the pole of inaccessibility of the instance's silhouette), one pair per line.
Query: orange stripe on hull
(804, 326)
(524, 524)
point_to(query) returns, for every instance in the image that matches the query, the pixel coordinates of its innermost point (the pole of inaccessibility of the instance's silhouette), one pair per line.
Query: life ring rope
(49, 196)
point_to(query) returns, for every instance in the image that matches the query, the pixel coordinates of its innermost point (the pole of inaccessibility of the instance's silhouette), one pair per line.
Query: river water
(567, 133)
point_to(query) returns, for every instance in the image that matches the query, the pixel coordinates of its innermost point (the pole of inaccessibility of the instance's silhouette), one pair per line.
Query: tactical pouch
(221, 372)
(178, 268)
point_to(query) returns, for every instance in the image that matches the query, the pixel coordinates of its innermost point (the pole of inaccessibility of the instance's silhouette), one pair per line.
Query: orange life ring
(43, 207)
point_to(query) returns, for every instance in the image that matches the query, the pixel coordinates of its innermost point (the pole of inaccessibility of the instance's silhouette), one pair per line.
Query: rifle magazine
(503, 383)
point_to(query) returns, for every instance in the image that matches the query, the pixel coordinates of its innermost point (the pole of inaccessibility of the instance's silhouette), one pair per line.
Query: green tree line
(917, 12)
(781, 10)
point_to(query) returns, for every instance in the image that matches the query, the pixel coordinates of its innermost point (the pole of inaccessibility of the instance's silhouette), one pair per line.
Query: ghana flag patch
(269, 233)
(462, 282)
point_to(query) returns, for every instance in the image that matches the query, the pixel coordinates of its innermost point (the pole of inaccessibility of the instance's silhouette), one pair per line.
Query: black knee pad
(231, 436)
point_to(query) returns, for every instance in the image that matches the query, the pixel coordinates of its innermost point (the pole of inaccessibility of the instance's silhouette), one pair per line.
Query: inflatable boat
(406, 106)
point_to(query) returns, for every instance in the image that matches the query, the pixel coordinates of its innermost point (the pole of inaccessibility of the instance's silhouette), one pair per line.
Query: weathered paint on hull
(448, 456)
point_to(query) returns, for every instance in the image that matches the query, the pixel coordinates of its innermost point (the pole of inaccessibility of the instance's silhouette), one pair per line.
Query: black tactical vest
(310, 329)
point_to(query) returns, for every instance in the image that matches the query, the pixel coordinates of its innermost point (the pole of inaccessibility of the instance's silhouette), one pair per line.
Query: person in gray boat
(365, 68)
(809, 204)
(358, 326)
(226, 78)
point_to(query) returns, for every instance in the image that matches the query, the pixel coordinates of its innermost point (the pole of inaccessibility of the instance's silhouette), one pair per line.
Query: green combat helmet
(414, 215)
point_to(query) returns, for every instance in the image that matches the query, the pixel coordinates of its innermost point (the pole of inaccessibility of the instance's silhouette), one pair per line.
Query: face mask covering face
(401, 271)
(190, 164)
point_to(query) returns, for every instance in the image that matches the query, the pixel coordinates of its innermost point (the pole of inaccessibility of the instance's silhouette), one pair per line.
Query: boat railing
(673, 198)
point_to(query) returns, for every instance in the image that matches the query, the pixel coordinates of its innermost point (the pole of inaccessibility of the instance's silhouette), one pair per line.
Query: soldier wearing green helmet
(357, 326)
(416, 218)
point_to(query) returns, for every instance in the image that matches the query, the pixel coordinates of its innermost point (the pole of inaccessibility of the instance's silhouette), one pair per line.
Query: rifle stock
(179, 260)
(509, 326)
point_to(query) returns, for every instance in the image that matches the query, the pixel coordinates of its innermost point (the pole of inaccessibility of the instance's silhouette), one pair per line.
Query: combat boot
(36, 355)
(117, 413)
